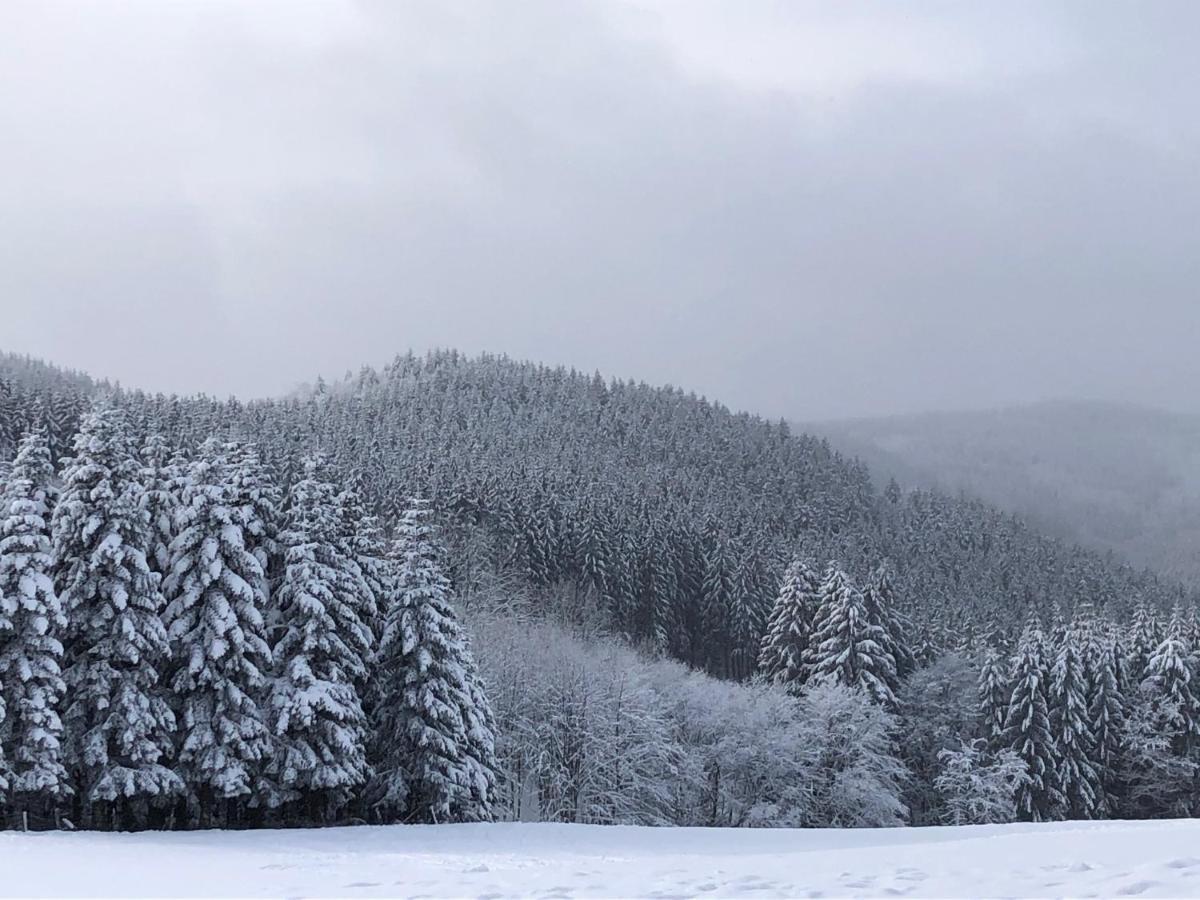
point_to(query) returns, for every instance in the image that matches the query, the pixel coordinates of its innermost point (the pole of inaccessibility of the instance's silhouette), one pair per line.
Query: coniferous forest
(464, 589)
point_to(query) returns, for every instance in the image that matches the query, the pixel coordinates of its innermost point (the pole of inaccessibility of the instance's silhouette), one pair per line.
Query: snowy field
(1095, 859)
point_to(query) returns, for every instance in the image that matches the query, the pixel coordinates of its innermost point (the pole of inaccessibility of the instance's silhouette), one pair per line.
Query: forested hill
(673, 514)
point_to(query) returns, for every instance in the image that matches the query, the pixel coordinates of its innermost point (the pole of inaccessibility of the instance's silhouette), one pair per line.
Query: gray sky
(809, 210)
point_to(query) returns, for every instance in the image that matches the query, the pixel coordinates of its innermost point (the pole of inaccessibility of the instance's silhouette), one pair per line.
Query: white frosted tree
(977, 787)
(433, 723)
(117, 723)
(993, 695)
(160, 477)
(320, 655)
(1145, 634)
(1169, 677)
(789, 627)
(257, 496)
(883, 609)
(362, 541)
(1027, 729)
(846, 646)
(220, 657)
(31, 624)
(1107, 711)
(1078, 780)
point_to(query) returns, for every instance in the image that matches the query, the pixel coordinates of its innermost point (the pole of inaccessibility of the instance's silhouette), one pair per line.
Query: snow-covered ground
(1152, 859)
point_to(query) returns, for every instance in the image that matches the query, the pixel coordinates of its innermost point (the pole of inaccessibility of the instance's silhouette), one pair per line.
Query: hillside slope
(672, 514)
(1112, 477)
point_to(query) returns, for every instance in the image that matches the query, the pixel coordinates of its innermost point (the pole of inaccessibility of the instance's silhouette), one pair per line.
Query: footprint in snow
(1138, 887)
(1186, 862)
(479, 868)
(362, 884)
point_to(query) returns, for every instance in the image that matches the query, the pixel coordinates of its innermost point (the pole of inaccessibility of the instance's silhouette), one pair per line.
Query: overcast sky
(810, 210)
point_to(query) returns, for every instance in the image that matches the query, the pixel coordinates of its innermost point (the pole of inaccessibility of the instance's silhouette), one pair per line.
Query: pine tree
(31, 623)
(159, 500)
(716, 598)
(220, 657)
(1145, 634)
(256, 493)
(789, 629)
(362, 541)
(1027, 729)
(880, 600)
(1169, 676)
(1078, 780)
(117, 722)
(993, 696)
(433, 723)
(320, 655)
(846, 647)
(1107, 710)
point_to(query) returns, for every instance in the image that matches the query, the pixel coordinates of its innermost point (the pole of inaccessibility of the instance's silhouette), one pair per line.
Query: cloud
(800, 209)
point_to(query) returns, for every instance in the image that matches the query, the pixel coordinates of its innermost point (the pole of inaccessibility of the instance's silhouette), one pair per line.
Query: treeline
(844, 726)
(214, 607)
(1078, 719)
(183, 645)
(678, 516)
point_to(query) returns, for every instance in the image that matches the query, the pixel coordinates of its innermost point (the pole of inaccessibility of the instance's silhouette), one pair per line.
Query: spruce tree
(31, 624)
(117, 723)
(320, 655)
(1078, 780)
(256, 494)
(789, 628)
(883, 608)
(1027, 729)
(433, 724)
(1169, 676)
(1107, 711)
(847, 647)
(716, 599)
(159, 499)
(1145, 634)
(220, 657)
(993, 696)
(362, 541)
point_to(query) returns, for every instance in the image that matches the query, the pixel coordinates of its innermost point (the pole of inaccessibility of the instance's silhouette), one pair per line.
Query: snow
(1152, 859)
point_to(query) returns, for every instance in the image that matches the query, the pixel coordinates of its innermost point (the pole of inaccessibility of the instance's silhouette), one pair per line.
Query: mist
(805, 210)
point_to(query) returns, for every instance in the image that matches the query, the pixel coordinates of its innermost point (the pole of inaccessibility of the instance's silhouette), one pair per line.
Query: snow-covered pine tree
(362, 541)
(320, 655)
(220, 657)
(883, 607)
(159, 498)
(993, 695)
(716, 598)
(1169, 675)
(256, 493)
(1078, 780)
(433, 724)
(1027, 728)
(1145, 634)
(846, 646)
(1106, 710)
(117, 723)
(789, 628)
(31, 623)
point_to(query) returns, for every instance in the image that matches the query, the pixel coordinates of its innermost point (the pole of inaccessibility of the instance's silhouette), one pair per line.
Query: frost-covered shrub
(977, 787)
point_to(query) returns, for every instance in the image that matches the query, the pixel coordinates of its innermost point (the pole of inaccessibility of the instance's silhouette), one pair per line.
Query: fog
(806, 210)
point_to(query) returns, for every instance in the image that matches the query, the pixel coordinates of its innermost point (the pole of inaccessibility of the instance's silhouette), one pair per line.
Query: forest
(462, 589)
